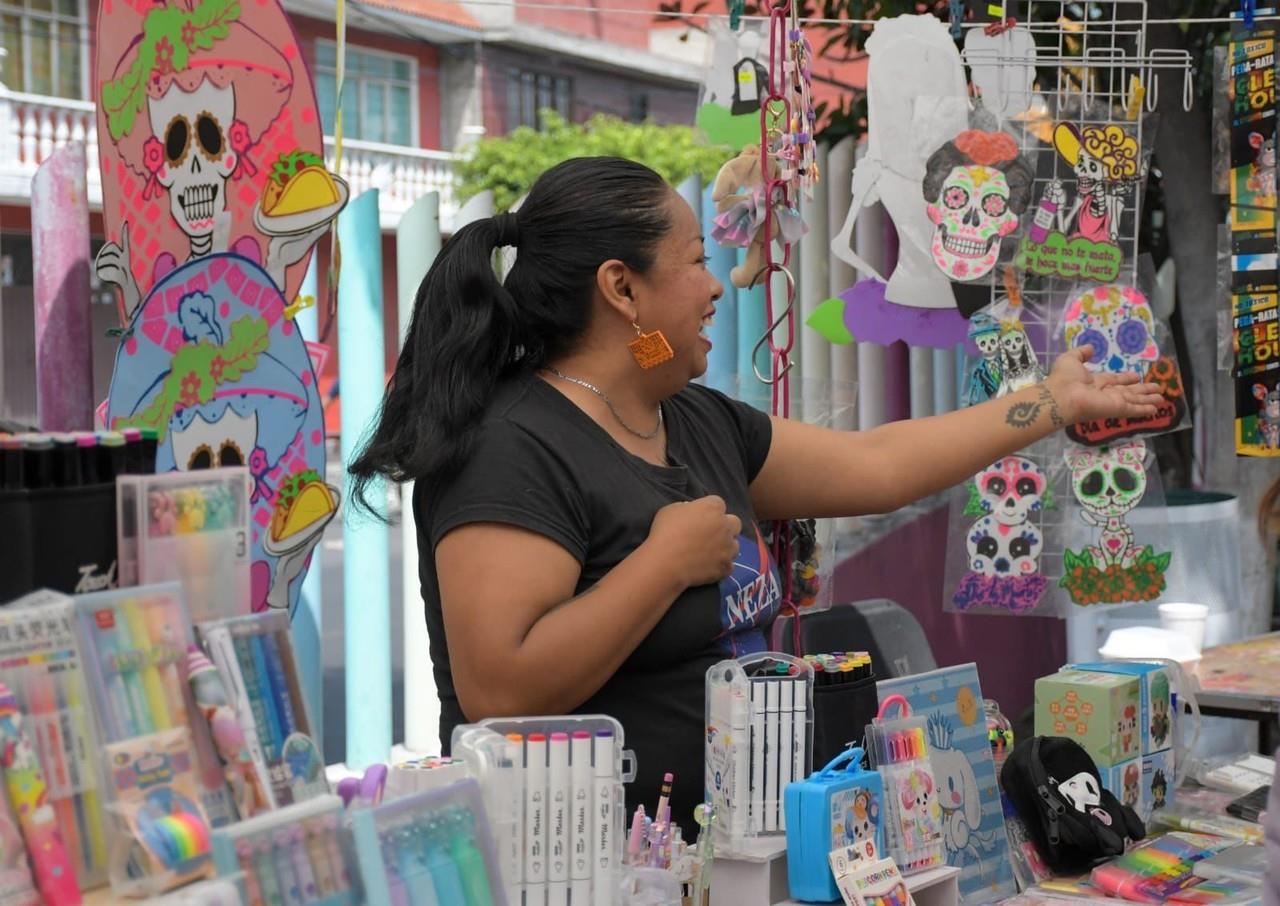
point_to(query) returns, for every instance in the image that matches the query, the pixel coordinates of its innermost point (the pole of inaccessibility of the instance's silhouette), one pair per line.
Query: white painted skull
(1117, 323)
(1011, 489)
(1082, 791)
(988, 344)
(971, 215)
(1109, 481)
(996, 549)
(192, 128)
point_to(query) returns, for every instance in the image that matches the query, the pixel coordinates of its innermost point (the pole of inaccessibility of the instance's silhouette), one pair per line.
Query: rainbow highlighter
(1159, 869)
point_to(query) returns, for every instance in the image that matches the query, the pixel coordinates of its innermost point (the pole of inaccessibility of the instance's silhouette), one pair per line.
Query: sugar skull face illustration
(1011, 489)
(1116, 322)
(1082, 791)
(976, 186)
(198, 158)
(1109, 481)
(985, 333)
(996, 549)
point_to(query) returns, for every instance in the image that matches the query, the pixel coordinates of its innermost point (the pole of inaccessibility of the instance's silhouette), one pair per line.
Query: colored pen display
(39, 661)
(35, 461)
(840, 667)
(291, 857)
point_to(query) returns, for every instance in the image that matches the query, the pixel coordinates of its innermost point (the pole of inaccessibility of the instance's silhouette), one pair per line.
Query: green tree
(509, 164)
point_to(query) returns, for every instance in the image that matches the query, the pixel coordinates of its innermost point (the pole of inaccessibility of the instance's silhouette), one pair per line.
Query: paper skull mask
(976, 186)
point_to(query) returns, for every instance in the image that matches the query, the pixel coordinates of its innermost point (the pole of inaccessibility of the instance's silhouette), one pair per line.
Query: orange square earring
(650, 349)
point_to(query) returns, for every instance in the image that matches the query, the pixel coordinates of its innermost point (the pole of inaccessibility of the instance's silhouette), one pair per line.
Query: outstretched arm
(816, 472)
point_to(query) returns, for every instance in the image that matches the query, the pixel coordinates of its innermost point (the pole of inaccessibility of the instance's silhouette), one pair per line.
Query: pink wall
(907, 567)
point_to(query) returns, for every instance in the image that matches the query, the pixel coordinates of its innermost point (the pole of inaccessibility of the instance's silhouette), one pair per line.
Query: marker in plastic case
(604, 803)
(757, 756)
(513, 870)
(772, 697)
(800, 725)
(580, 814)
(786, 741)
(535, 819)
(558, 820)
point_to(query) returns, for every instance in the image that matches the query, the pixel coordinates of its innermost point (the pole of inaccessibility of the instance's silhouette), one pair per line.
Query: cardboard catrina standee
(1116, 568)
(1116, 322)
(214, 192)
(1076, 235)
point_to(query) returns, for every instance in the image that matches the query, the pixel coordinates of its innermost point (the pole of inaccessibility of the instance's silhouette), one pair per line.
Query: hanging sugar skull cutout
(1116, 322)
(986, 375)
(1108, 483)
(1004, 545)
(976, 186)
(1019, 366)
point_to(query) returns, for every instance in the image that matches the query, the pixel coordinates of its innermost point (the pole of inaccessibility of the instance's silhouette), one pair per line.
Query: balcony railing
(33, 126)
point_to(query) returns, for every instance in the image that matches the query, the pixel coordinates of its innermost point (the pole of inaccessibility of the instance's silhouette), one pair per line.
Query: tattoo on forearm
(1024, 414)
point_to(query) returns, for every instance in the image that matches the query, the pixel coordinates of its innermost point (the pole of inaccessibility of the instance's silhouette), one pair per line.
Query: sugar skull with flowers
(976, 186)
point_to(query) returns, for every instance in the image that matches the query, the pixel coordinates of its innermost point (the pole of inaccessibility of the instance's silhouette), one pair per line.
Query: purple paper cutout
(872, 318)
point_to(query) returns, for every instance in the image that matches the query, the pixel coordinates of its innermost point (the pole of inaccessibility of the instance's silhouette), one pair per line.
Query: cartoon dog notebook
(972, 817)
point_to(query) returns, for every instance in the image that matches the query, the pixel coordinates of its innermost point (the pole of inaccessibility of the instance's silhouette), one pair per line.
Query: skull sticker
(1003, 546)
(1108, 483)
(1117, 324)
(1082, 791)
(976, 186)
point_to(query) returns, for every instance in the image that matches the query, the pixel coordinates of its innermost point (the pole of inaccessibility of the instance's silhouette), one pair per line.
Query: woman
(587, 527)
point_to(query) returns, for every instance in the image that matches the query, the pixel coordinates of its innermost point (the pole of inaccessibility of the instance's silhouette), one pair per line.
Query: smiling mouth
(966, 248)
(198, 202)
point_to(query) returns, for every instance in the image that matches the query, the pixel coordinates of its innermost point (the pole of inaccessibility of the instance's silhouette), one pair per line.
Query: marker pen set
(759, 739)
(37, 461)
(135, 643)
(295, 856)
(553, 791)
(255, 661)
(188, 527)
(48, 704)
(913, 823)
(839, 667)
(429, 849)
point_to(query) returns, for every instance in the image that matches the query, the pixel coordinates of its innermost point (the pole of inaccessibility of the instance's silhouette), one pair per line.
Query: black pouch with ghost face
(1057, 791)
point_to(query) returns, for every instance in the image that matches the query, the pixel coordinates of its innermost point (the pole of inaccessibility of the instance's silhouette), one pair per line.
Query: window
(530, 92)
(44, 45)
(379, 94)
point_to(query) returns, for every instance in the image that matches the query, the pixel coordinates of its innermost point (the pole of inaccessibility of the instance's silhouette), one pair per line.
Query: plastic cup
(1186, 619)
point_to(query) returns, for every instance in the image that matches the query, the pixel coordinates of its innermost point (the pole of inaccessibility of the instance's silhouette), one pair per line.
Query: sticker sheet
(1255, 314)
(1112, 564)
(214, 192)
(1116, 321)
(1077, 225)
(996, 566)
(968, 792)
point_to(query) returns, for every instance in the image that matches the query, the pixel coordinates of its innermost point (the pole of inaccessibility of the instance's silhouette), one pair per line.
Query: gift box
(1156, 709)
(1124, 780)
(1100, 711)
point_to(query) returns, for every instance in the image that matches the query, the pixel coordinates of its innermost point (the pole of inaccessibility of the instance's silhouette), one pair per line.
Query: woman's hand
(699, 539)
(1082, 395)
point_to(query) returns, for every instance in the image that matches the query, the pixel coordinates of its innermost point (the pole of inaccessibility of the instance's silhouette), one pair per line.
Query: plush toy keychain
(739, 196)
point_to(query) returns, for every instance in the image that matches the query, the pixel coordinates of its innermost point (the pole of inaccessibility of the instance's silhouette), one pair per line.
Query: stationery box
(1097, 710)
(1124, 780)
(840, 806)
(1156, 708)
(1157, 781)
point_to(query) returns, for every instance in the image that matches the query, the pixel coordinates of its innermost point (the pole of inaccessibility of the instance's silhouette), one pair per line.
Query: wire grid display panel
(1087, 54)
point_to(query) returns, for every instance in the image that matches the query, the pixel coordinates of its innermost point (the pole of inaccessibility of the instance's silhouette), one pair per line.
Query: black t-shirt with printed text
(542, 464)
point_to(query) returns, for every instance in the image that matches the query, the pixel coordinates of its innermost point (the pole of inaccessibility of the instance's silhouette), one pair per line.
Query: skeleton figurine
(1019, 367)
(984, 380)
(1109, 482)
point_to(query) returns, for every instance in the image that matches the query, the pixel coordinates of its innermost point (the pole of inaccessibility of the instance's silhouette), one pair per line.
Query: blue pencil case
(839, 806)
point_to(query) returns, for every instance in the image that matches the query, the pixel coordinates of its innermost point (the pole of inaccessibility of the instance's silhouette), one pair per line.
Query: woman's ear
(613, 282)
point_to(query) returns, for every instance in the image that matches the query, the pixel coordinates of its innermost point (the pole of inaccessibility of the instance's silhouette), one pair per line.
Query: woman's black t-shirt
(542, 464)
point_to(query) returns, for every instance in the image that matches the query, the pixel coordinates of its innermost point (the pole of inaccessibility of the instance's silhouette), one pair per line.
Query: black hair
(469, 331)
(1017, 173)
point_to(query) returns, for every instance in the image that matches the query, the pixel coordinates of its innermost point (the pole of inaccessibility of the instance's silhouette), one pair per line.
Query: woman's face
(678, 294)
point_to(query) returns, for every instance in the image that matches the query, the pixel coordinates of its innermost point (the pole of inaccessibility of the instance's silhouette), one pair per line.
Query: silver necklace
(608, 402)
